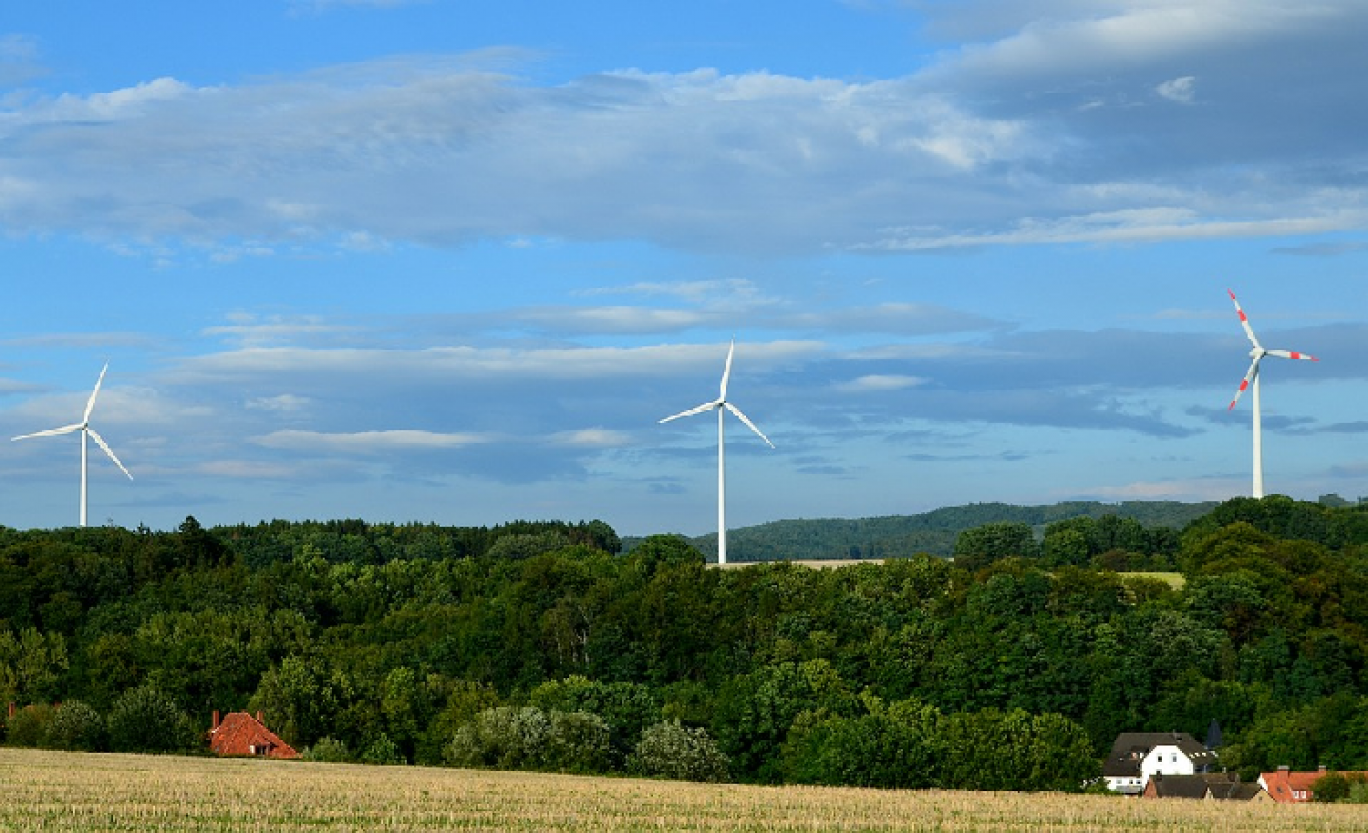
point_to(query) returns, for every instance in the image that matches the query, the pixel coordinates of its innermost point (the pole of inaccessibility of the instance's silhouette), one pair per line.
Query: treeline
(538, 646)
(935, 532)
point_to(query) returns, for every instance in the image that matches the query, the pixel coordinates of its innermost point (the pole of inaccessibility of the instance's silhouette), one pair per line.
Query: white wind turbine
(721, 405)
(84, 427)
(1257, 353)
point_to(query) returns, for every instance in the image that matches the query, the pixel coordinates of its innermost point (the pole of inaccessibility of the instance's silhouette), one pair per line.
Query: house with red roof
(239, 733)
(1286, 786)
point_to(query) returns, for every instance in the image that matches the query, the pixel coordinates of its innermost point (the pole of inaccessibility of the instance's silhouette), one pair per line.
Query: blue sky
(451, 262)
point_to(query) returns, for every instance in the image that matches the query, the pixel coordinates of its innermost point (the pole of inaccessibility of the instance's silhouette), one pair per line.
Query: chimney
(1283, 768)
(1321, 768)
(216, 721)
(259, 720)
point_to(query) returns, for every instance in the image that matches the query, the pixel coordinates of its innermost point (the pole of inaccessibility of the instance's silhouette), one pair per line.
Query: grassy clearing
(1174, 580)
(78, 792)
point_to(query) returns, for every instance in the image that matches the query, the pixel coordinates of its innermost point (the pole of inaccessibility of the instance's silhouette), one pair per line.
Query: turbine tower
(721, 405)
(84, 427)
(1257, 353)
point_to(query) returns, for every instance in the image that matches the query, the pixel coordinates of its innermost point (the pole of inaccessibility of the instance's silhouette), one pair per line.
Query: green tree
(29, 725)
(143, 719)
(891, 748)
(31, 665)
(978, 547)
(756, 711)
(626, 708)
(306, 699)
(578, 742)
(75, 726)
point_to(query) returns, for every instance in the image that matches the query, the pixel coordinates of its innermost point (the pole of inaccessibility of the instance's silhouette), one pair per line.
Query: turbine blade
(726, 373)
(737, 411)
(1249, 377)
(51, 432)
(107, 450)
(1292, 354)
(706, 406)
(1244, 322)
(90, 403)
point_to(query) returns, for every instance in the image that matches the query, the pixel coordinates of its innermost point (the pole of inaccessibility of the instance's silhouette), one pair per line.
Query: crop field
(79, 792)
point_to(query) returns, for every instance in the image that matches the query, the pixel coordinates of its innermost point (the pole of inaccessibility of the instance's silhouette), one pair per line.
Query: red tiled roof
(1287, 787)
(242, 734)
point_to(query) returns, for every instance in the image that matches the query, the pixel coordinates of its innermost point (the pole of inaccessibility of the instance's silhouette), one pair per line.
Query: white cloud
(450, 364)
(286, 403)
(592, 438)
(874, 383)
(1181, 90)
(1130, 226)
(252, 330)
(366, 442)
(1051, 119)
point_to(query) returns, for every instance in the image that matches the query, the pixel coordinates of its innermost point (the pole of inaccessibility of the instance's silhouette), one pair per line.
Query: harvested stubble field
(79, 792)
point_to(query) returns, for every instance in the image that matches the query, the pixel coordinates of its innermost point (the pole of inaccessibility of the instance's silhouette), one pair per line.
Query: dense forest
(935, 532)
(541, 645)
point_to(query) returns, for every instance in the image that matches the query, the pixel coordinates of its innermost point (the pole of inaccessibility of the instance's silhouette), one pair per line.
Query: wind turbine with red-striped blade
(721, 405)
(84, 427)
(1251, 379)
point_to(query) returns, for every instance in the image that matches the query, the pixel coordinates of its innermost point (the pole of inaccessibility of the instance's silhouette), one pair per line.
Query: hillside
(900, 536)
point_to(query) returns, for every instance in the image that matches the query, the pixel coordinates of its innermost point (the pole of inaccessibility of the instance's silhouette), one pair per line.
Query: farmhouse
(1206, 786)
(1138, 756)
(1286, 786)
(240, 733)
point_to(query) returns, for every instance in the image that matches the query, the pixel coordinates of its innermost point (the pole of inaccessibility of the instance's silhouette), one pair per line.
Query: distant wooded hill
(900, 536)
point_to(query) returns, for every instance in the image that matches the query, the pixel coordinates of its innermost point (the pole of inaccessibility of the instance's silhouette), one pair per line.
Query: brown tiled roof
(1176, 786)
(1220, 786)
(242, 734)
(1240, 792)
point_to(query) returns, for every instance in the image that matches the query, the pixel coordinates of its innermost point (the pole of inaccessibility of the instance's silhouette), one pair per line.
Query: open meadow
(83, 792)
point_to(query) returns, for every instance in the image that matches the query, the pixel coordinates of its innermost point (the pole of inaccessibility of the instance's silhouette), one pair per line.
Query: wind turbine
(84, 427)
(1257, 353)
(721, 405)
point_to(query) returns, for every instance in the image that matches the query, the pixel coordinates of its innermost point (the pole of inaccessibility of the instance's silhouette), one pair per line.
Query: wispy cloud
(1181, 90)
(366, 442)
(879, 382)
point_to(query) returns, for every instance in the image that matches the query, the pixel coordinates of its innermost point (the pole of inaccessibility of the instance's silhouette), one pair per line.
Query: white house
(1137, 756)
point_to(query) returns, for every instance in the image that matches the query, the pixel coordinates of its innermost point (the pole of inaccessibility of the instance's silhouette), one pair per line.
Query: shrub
(891, 748)
(504, 737)
(626, 708)
(143, 719)
(75, 727)
(382, 751)
(328, 750)
(670, 749)
(578, 742)
(29, 725)
(1335, 787)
